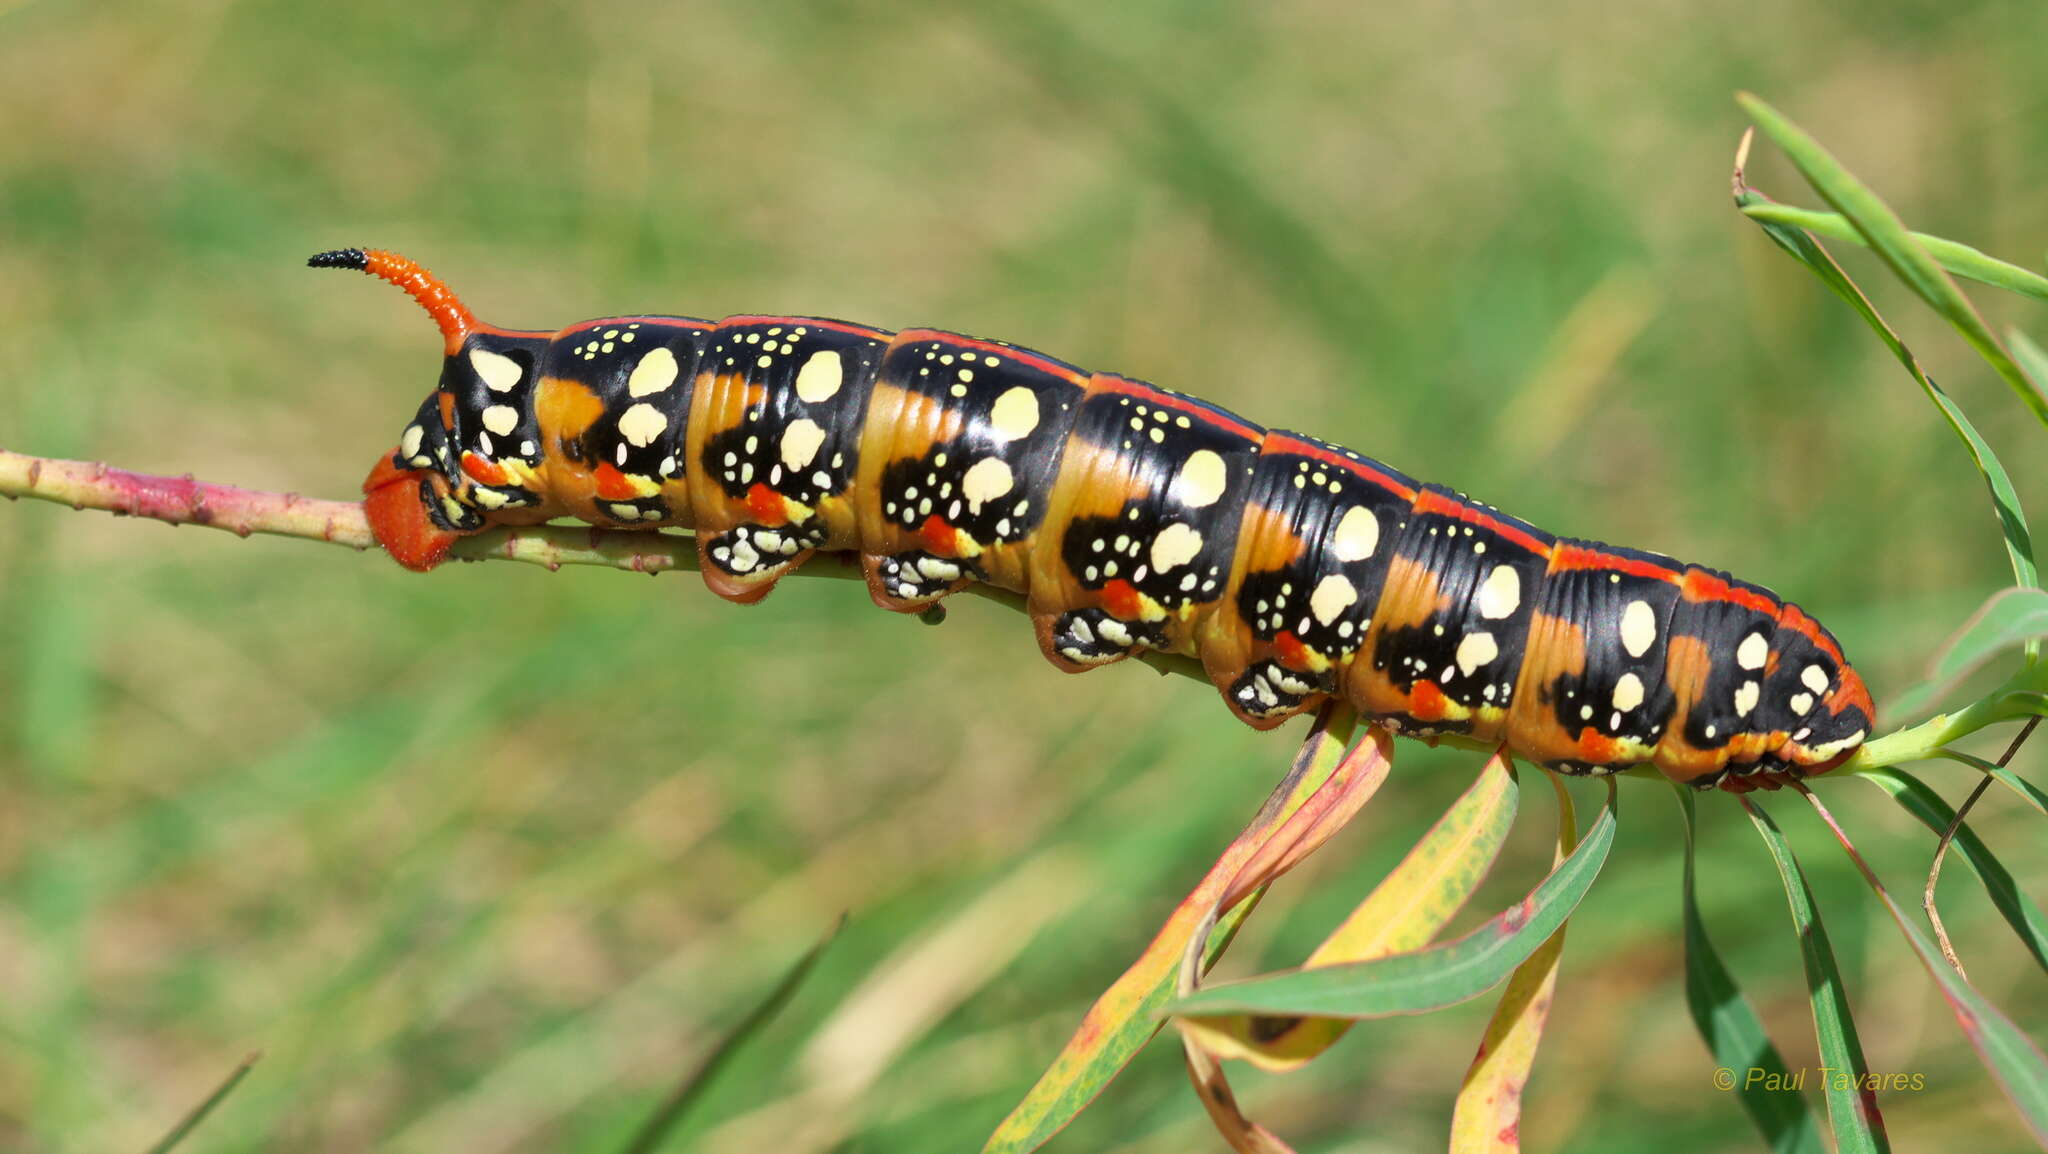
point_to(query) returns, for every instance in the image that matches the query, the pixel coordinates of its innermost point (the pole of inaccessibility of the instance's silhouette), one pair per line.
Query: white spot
(800, 443)
(1745, 697)
(985, 480)
(1014, 414)
(1114, 632)
(1358, 534)
(1638, 628)
(655, 373)
(1800, 703)
(1202, 479)
(488, 498)
(501, 419)
(625, 513)
(1752, 652)
(820, 377)
(1174, 546)
(1333, 595)
(1476, 650)
(1815, 678)
(1628, 692)
(641, 424)
(1501, 593)
(409, 445)
(500, 372)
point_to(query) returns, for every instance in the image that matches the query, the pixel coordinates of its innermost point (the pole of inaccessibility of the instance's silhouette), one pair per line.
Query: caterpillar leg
(743, 563)
(1269, 693)
(1082, 639)
(910, 581)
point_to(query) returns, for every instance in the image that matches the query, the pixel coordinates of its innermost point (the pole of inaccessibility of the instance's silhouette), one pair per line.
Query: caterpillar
(1128, 515)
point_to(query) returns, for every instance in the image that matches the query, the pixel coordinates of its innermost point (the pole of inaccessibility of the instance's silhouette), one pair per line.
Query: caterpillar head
(468, 458)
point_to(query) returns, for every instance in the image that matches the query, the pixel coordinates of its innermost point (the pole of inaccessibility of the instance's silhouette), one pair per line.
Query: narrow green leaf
(1729, 1026)
(691, 1089)
(1959, 259)
(2006, 1051)
(1426, 979)
(191, 1121)
(1887, 236)
(2025, 790)
(2012, 520)
(1852, 1106)
(2010, 617)
(1923, 803)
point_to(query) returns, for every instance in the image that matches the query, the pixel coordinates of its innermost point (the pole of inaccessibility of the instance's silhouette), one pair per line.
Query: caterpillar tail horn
(450, 314)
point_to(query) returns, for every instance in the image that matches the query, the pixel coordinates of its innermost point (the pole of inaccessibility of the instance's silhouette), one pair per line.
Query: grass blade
(691, 1089)
(1887, 236)
(191, 1121)
(1487, 1116)
(1926, 805)
(1731, 1029)
(2007, 1052)
(1852, 1105)
(1429, 979)
(1402, 913)
(1126, 1016)
(1960, 259)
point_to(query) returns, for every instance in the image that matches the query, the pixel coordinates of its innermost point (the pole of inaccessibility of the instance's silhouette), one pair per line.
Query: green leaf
(2012, 1057)
(1428, 979)
(1731, 1029)
(1915, 798)
(691, 1089)
(1959, 259)
(2026, 790)
(2011, 617)
(2012, 520)
(1887, 236)
(1859, 1128)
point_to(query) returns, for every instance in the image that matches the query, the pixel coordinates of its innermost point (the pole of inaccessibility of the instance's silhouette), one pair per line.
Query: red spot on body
(1291, 651)
(1123, 600)
(612, 484)
(766, 505)
(937, 535)
(482, 471)
(1426, 702)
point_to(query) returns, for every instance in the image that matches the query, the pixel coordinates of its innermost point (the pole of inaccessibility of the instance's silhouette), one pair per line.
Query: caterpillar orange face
(469, 457)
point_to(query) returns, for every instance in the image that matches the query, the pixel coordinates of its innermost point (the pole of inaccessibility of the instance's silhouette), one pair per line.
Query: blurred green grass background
(484, 861)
